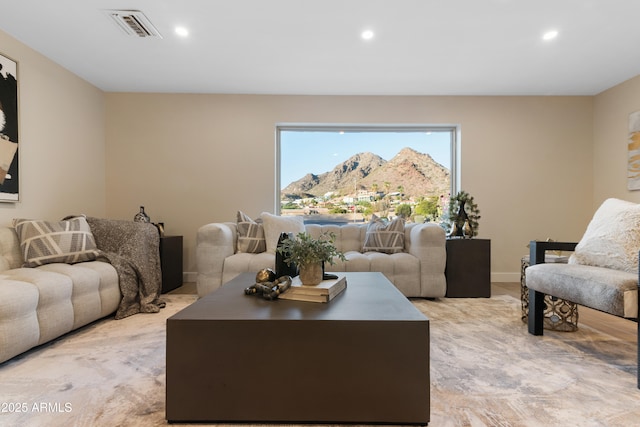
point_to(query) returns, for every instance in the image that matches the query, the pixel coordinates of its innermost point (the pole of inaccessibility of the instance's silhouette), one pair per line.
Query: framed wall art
(9, 177)
(633, 152)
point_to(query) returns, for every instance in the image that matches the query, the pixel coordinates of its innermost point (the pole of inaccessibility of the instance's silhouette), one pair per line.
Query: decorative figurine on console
(268, 285)
(460, 220)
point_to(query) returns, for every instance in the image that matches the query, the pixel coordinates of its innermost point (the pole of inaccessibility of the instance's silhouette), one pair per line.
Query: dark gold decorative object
(265, 275)
(453, 232)
(160, 227)
(467, 232)
(269, 290)
(461, 209)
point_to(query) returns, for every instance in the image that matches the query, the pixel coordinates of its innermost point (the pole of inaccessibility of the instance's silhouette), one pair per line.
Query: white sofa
(77, 270)
(39, 304)
(417, 271)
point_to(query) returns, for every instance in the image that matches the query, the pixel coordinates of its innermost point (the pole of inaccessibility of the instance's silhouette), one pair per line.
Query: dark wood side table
(468, 268)
(171, 262)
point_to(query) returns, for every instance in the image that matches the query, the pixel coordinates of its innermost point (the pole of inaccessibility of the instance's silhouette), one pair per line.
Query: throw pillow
(384, 237)
(274, 225)
(250, 235)
(612, 237)
(44, 242)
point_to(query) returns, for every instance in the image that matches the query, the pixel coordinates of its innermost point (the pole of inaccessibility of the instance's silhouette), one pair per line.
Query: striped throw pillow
(384, 237)
(45, 242)
(250, 235)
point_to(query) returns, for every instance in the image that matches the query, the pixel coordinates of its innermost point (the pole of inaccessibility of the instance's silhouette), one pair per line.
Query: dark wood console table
(171, 262)
(468, 268)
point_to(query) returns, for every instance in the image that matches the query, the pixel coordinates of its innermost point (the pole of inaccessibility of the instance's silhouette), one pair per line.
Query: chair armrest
(537, 249)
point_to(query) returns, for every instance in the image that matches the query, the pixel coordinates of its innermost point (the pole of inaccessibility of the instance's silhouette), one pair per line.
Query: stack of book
(325, 291)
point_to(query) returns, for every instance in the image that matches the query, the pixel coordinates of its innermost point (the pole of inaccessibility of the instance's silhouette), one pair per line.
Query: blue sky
(303, 152)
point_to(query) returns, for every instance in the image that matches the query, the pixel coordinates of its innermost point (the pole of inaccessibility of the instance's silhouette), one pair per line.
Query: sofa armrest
(425, 235)
(428, 243)
(537, 249)
(214, 243)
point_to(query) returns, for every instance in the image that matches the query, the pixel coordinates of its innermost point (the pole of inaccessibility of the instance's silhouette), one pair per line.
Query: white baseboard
(189, 276)
(505, 277)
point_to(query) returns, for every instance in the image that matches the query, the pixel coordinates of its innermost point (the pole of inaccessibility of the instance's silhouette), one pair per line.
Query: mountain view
(412, 173)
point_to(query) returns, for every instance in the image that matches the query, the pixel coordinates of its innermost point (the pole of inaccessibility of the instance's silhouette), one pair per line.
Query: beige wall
(194, 159)
(537, 166)
(61, 141)
(610, 134)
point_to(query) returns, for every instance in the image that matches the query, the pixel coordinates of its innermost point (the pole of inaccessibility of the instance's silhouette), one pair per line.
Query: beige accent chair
(602, 272)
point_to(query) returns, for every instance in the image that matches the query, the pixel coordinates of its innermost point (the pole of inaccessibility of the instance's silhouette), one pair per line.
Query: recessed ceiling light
(367, 34)
(182, 31)
(550, 35)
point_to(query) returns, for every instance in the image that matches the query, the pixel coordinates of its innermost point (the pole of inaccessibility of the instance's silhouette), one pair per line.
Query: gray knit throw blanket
(133, 250)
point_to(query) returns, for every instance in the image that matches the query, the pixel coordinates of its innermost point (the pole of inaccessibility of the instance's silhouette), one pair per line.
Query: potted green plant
(310, 254)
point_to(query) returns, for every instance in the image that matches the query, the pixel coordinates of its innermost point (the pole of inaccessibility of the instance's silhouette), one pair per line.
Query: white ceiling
(421, 47)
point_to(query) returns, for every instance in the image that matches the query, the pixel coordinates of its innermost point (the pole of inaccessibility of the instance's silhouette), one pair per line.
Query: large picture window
(349, 173)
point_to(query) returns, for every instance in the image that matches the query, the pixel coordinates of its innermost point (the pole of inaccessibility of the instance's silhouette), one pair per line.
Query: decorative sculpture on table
(282, 267)
(141, 216)
(461, 219)
(267, 285)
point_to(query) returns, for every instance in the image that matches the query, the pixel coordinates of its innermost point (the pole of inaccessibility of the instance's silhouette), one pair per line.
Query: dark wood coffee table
(361, 358)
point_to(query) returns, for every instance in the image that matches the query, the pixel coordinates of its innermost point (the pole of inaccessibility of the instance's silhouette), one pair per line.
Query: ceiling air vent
(134, 23)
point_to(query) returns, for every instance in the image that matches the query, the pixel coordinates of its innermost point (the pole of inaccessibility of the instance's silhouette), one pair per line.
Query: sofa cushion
(349, 237)
(54, 310)
(612, 237)
(44, 242)
(109, 291)
(384, 237)
(400, 268)
(605, 289)
(243, 262)
(274, 225)
(85, 295)
(250, 235)
(19, 329)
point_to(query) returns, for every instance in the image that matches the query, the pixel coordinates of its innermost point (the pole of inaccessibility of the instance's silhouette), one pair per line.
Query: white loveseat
(417, 271)
(70, 280)
(42, 303)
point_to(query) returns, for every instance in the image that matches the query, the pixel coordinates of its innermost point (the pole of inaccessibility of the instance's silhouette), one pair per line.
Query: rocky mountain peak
(415, 173)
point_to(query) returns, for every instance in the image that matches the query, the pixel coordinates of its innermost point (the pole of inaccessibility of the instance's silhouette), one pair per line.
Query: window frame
(453, 129)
